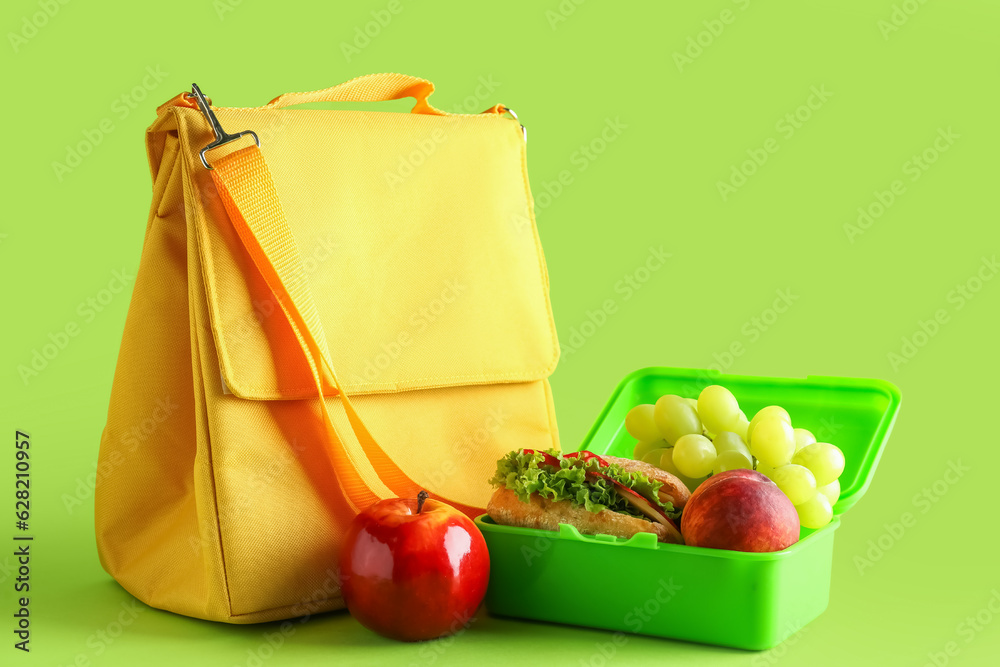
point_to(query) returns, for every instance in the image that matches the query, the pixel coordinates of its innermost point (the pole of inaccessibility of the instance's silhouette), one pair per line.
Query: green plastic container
(729, 598)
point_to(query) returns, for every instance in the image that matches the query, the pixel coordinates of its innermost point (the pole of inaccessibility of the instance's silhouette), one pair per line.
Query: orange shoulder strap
(368, 88)
(247, 192)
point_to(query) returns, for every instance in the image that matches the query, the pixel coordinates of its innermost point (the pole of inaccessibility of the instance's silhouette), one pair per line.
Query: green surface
(765, 281)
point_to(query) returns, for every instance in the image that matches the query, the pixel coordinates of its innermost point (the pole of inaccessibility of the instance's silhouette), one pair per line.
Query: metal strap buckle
(524, 130)
(221, 136)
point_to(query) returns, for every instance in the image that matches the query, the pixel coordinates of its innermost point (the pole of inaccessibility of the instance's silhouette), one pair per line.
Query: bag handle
(368, 88)
(247, 191)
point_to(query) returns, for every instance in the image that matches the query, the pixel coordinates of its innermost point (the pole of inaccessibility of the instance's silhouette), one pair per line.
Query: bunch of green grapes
(695, 438)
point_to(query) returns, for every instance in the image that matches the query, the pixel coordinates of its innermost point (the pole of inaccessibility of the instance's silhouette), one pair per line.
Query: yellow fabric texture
(218, 492)
(246, 189)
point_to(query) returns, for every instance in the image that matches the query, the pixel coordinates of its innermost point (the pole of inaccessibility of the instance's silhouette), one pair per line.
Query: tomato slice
(587, 456)
(649, 509)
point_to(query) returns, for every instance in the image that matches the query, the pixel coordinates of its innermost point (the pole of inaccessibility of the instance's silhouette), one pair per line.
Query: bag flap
(416, 233)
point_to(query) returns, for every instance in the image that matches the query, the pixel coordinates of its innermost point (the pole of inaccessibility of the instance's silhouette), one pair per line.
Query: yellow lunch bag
(332, 307)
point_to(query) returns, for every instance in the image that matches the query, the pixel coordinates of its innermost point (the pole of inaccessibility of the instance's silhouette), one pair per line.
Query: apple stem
(421, 497)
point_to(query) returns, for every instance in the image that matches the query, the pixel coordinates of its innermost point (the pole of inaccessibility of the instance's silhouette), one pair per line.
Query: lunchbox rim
(872, 456)
(486, 524)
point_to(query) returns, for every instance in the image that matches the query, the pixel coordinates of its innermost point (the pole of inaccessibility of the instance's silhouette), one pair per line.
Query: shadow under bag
(356, 309)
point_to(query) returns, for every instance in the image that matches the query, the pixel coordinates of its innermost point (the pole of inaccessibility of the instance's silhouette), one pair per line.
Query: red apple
(413, 568)
(741, 510)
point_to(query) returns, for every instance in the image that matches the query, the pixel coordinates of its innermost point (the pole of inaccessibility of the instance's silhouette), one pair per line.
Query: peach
(741, 510)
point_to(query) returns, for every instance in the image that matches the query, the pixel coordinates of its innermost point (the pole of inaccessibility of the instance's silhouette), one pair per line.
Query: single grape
(667, 463)
(815, 512)
(826, 461)
(831, 491)
(765, 470)
(769, 411)
(731, 460)
(718, 409)
(652, 457)
(728, 441)
(675, 417)
(796, 482)
(642, 448)
(640, 424)
(742, 426)
(693, 402)
(773, 441)
(694, 455)
(803, 437)
(774, 411)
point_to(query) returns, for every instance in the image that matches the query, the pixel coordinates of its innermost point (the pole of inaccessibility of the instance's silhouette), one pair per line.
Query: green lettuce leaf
(525, 474)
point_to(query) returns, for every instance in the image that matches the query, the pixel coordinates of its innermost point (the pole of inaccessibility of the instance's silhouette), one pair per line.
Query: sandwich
(599, 495)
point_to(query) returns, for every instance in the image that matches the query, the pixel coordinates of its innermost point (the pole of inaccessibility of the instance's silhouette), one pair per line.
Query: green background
(888, 93)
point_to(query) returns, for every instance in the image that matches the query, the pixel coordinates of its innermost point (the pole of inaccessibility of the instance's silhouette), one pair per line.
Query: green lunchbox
(714, 596)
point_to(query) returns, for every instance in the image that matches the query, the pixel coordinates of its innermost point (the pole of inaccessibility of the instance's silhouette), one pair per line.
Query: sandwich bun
(673, 491)
(506, 508)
